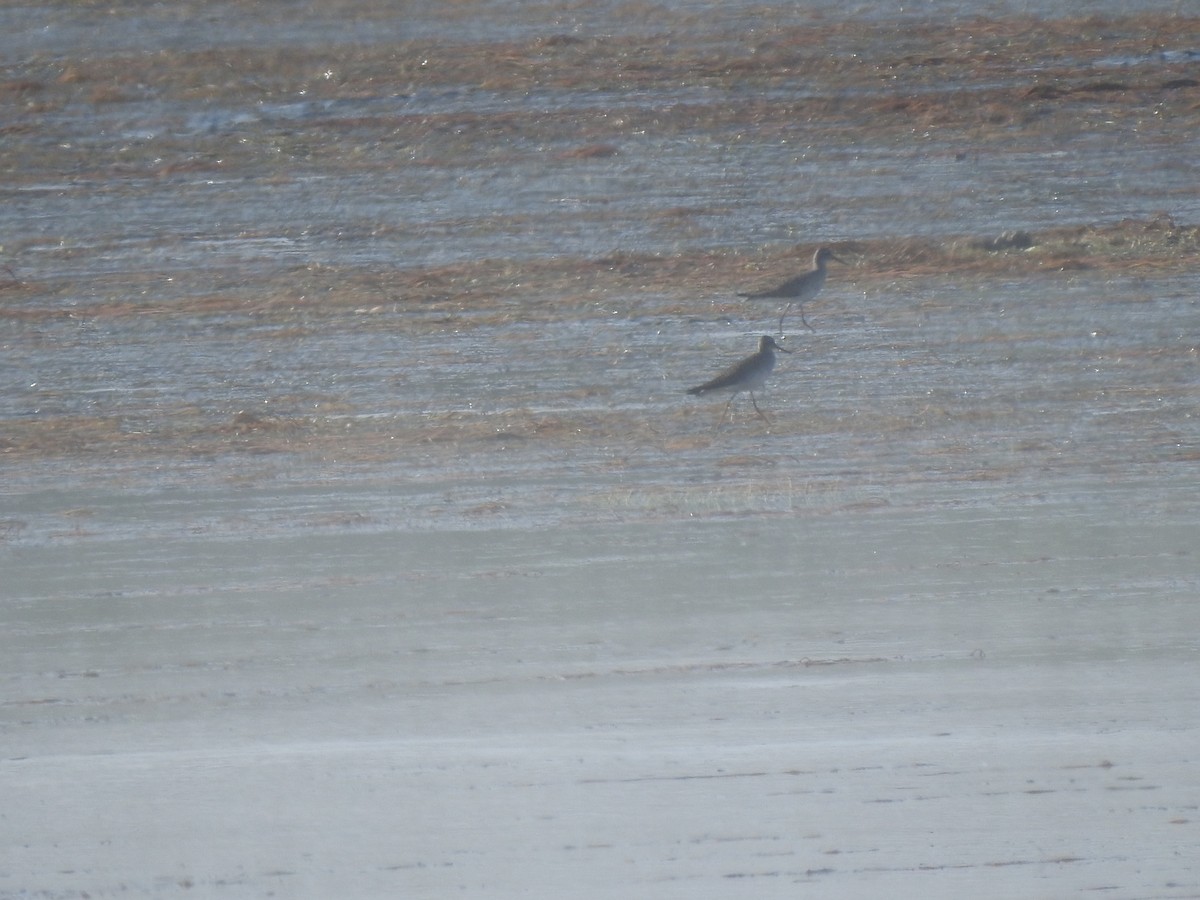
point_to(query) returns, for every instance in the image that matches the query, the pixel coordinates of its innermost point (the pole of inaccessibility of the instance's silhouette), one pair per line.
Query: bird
(801, 288)
(748, 374)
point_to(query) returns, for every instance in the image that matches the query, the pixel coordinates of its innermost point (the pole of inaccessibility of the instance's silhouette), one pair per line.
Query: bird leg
(726, 411)
(802, 318)
(761, 414)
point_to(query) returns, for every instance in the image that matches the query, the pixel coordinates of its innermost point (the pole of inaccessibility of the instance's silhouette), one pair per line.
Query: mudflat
(357, 537)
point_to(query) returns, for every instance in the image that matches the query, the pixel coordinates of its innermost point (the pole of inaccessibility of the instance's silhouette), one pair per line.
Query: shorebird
(801, 288)
(747, 375)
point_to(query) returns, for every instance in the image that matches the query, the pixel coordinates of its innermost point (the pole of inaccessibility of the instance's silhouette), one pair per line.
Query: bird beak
(783, 349)
(838, 258)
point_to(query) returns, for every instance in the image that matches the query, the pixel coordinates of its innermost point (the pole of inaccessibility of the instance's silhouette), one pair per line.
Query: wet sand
(357, 538)
(957, 702)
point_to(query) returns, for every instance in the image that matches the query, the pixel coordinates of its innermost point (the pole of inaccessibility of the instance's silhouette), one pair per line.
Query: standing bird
(748, 375)
(801, 288)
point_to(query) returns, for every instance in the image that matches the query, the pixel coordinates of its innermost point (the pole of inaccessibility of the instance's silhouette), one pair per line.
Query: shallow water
(357, 537)
(947, 701)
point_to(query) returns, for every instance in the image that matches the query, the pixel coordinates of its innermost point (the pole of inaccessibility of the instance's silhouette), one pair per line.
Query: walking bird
(800, 289)
(750, 374)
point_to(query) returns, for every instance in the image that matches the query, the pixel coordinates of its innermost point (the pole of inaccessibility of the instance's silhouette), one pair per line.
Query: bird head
(766, 342)
(824, 255)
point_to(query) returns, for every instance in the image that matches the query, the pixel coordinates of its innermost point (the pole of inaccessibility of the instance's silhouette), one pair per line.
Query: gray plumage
(749, 374)
(802, 288)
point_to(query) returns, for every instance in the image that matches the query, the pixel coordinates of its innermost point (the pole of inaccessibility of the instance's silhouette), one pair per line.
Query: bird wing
(738, 374)
(787, 289)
